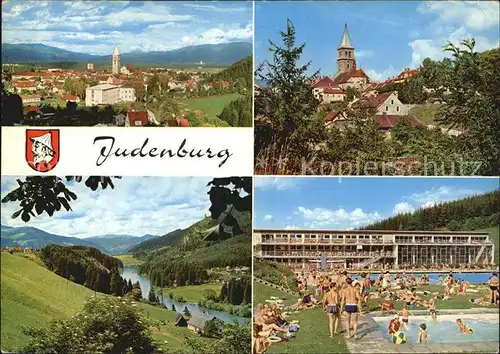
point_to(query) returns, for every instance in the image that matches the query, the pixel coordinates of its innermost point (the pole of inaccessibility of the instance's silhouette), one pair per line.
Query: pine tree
(173, 308)
(186, 312)
(287, 102)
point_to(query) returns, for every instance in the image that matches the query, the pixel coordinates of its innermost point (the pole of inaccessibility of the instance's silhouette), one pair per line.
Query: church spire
(115, 52)
(345, 42)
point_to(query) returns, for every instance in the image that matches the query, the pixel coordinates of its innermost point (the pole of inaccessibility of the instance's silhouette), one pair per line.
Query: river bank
(193, 308)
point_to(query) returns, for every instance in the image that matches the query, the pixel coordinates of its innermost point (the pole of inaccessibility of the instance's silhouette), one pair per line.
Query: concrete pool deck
(371, 339)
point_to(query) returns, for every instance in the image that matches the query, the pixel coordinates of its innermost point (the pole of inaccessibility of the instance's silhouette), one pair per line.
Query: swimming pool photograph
(379, 265)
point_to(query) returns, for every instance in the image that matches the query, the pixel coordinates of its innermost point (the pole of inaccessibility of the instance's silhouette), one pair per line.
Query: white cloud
(215, 8)
(382, 75)
(95, 27)
(322, 217)
(442, 194)
(292, 227)
(277, 183)
(454, 21)
(479, 15)
(402, 208)
(364, 53)
(268, 217)
(433, 48)
(136, 206)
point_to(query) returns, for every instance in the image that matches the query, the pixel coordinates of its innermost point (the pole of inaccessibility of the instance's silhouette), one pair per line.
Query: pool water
(472, 278)
(445, 330)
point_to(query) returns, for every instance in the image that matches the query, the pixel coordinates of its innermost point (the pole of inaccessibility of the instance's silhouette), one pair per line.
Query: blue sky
(137, 206)
(95, 27)
(387, 36)
(347, 203)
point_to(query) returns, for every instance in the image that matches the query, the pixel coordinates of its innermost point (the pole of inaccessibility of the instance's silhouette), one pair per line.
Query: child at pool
(463, 327)
(422, 334)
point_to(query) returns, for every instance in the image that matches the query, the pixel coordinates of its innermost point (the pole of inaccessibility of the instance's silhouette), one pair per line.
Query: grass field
(33, 295)
(211, 106)
(427, 113)
(129, 260)
(192, 293)
(313, 334)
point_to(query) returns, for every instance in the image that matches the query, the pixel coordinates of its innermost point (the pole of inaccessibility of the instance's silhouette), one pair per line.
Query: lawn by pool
(445, 330)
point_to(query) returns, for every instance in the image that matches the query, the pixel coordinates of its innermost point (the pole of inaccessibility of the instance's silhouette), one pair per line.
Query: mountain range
(31, 236)
(225, 53)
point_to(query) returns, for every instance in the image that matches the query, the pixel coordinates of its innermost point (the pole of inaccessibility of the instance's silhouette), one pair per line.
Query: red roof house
(137, 119)
(388, 122)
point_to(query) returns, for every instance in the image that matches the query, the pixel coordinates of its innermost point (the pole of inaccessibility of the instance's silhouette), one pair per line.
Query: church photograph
(372, 88)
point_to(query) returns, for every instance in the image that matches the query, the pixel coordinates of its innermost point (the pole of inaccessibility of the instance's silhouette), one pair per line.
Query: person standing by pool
(405, 315)
(365, 287)
(431, 305)
(351, 303)
(284, 281)
(331, 307)
(493, 284)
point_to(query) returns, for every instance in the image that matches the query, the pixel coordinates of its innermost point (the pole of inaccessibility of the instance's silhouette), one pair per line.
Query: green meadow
(129, 260)
(32, 296)
(211, 106)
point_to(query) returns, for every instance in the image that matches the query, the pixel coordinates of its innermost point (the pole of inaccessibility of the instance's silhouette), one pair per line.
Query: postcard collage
(250, 177)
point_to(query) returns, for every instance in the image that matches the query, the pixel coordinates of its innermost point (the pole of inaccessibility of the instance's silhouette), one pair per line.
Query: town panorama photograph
(127, 63)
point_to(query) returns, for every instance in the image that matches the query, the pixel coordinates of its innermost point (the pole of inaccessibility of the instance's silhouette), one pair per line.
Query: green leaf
(16, 214)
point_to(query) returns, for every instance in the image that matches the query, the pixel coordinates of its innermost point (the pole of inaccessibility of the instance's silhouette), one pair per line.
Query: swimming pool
(445, 330)
(472, 278)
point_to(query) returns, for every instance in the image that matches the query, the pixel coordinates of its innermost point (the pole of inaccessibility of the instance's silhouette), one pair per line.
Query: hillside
(173, 238)
(185, 256)
(476, 212)
(241, 72)
(33, 295)
(226, 53)
(36, 238)
(118, 244)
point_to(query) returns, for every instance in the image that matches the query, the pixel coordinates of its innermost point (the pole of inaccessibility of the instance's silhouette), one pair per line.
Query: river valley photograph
(126, 264)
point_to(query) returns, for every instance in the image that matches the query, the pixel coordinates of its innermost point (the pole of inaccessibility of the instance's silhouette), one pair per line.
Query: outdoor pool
(445, 330)
(472, 278)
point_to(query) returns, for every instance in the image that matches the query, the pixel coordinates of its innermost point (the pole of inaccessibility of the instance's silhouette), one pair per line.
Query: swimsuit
(432, 311)
(333, 309)
(351, 308)
(405, 319)
(493, 287)
(307, 299)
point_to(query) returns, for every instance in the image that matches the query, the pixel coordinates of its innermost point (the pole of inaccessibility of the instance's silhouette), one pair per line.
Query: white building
(127, 94)
(90, 66)
(102, 94)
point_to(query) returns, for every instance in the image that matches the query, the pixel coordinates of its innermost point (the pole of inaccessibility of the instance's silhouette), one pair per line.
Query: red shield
(42, 149)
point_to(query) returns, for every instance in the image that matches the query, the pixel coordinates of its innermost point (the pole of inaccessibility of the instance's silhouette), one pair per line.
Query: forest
(291, 137)
(469, 214)
(87, 266)
(183, 257)
(239, 74)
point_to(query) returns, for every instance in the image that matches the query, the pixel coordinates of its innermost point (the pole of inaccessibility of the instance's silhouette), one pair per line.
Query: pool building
(370, 249)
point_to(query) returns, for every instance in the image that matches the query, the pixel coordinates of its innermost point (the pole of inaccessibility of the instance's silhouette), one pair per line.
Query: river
(131, 273)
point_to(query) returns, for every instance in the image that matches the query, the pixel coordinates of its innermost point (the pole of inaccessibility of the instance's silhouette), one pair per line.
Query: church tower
(345, 54)
(116, 62)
